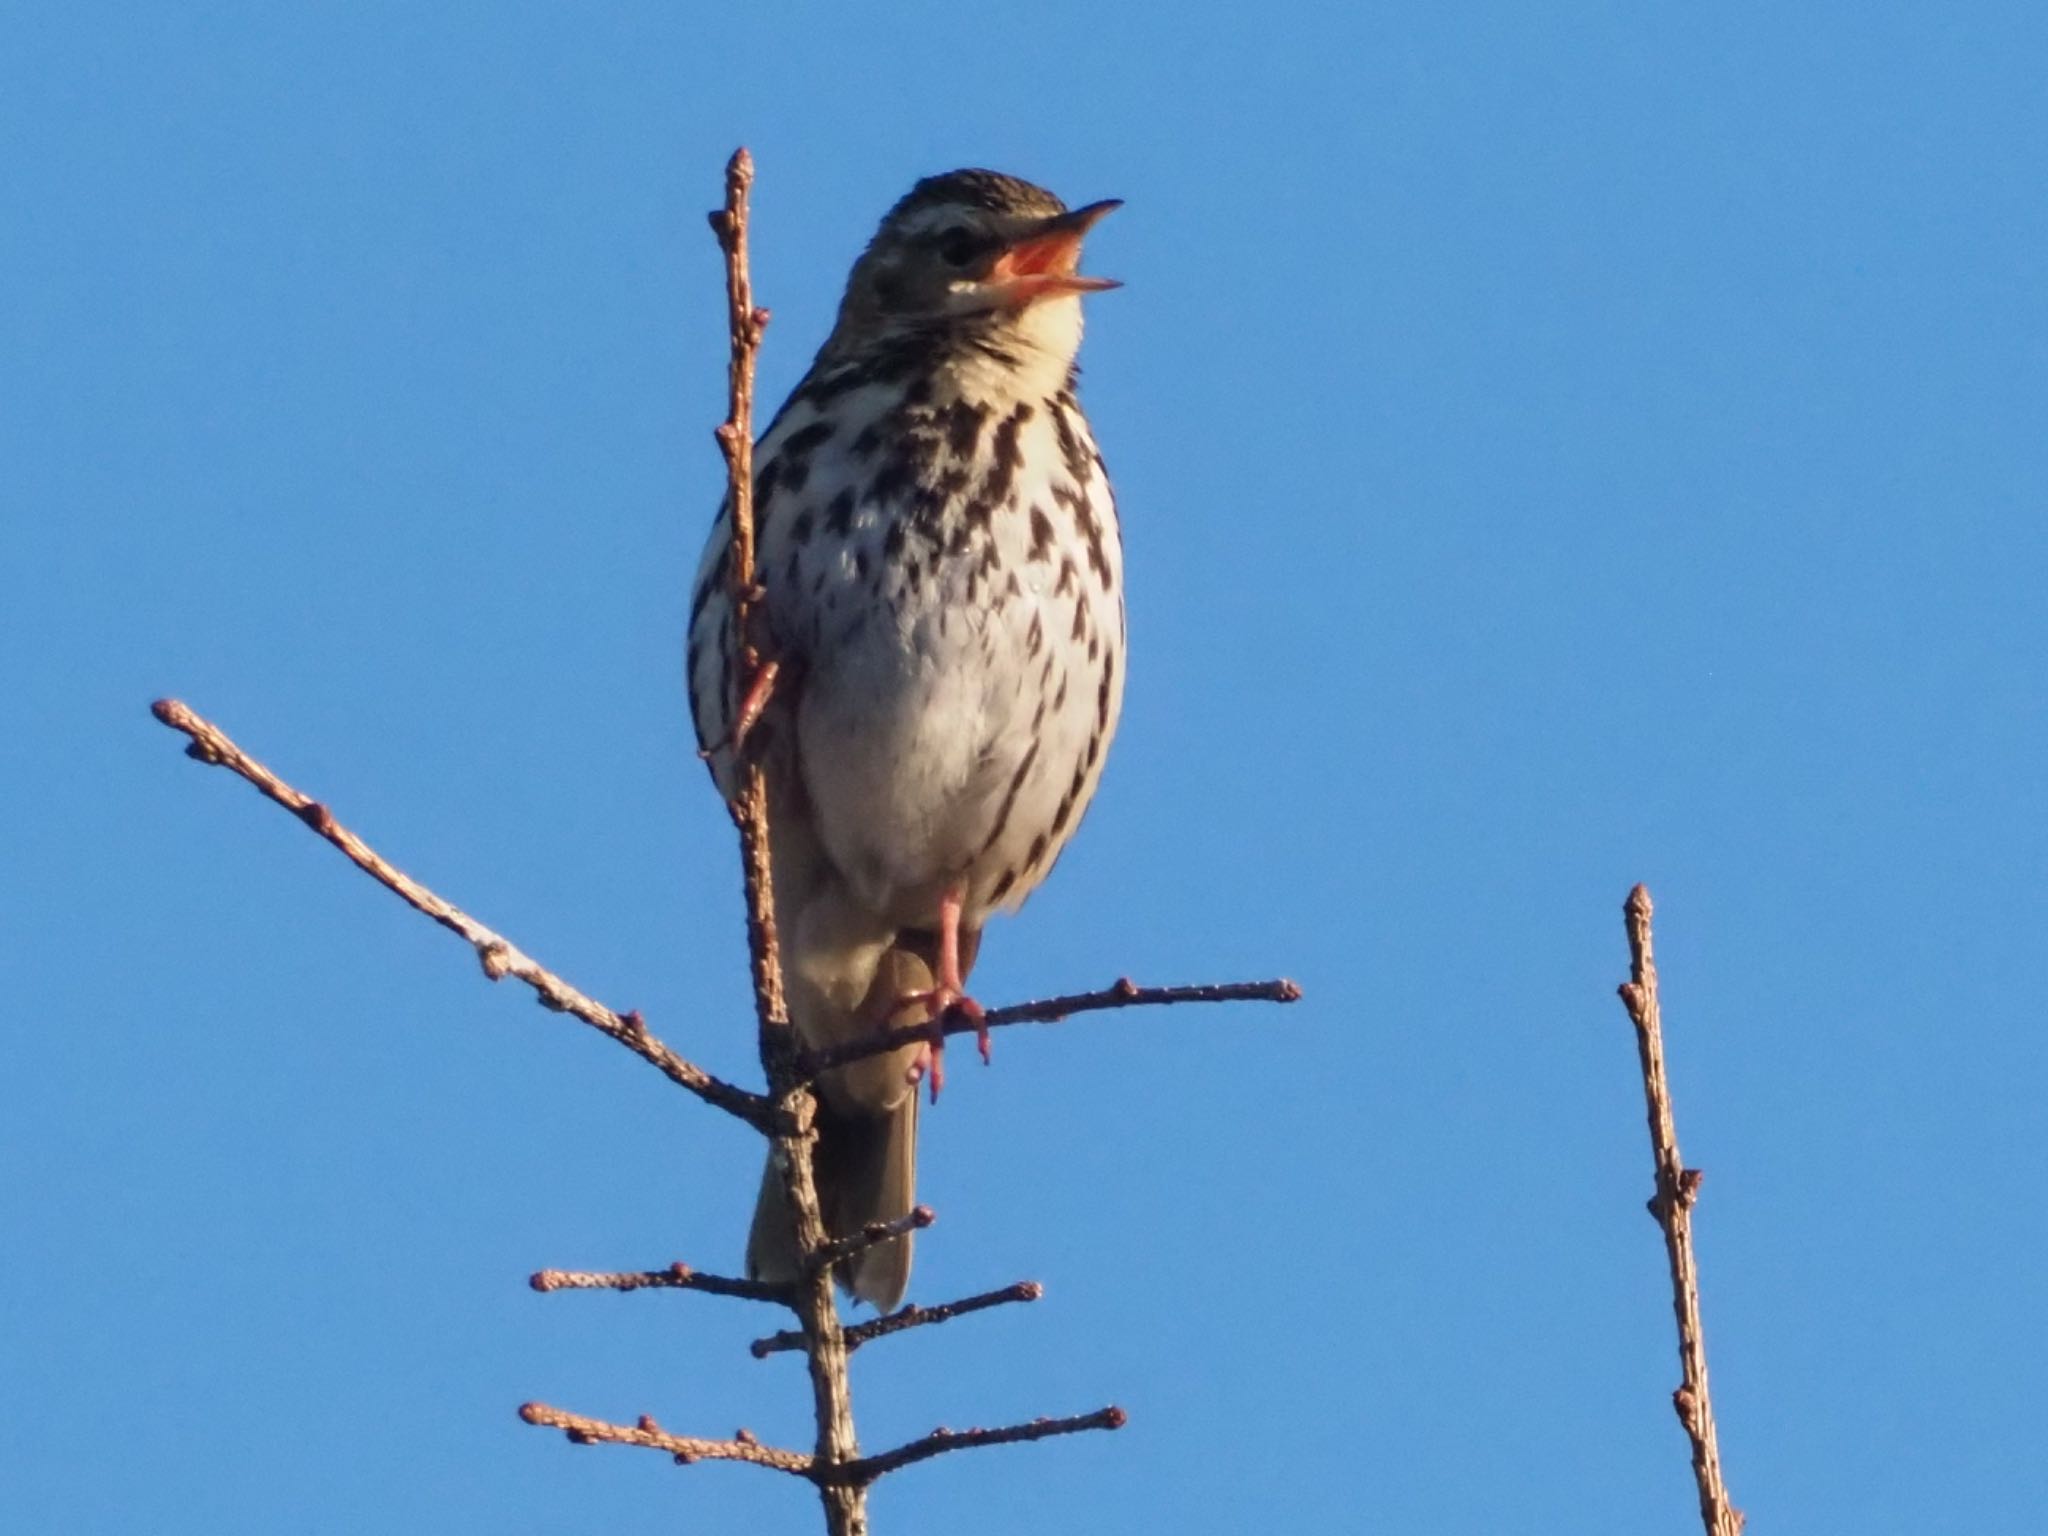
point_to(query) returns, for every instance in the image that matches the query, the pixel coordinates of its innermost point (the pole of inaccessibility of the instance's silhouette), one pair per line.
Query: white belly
(944, 744)
(949, 600)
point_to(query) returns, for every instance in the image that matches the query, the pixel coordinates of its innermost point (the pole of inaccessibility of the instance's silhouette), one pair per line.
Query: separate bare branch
(677, 1277)
(906, 1318)
(500, 957)
(1677, 1190)
(940, 1441)
(875, 1232)
(1122, 993)
(685, 1448)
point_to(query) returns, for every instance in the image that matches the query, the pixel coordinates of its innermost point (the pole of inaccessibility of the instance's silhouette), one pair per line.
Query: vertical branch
(736, 441)
(816, 1307)
(1678, 1189)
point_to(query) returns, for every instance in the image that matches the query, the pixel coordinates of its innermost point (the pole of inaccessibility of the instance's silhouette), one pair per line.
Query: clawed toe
(929, 1062)
(968, 1009)
(941, 1004)
(946, 1001)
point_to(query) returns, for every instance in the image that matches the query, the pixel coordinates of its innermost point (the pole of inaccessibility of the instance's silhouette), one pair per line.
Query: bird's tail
(866, 1171)
(865, 1160)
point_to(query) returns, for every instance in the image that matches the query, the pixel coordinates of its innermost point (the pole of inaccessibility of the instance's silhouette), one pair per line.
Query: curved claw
(967, 1008)
(930, 1061)
(943, 1003)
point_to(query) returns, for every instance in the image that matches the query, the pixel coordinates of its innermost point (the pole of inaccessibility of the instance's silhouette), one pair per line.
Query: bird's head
(975, 251)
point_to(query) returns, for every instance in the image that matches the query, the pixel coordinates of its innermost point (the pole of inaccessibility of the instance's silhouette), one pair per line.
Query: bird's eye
(956, 246)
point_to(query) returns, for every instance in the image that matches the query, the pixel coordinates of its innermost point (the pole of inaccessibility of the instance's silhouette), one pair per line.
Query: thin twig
(845, 1503)
(499, 955)
(677, 1277)
(1122, 993)
(685, 1448)
(905, 1318)
(940, 1441)
(852, 1475)
(873, 1234)
(1678, 1189)
(745, 325)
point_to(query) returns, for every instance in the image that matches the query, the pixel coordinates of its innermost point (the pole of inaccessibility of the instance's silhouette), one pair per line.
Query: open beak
(1040, 263)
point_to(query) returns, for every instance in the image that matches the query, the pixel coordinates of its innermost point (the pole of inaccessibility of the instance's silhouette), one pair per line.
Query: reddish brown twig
(499, 955)
(906, 1318)
(677, 1277)
(940, 1441)
(816, 1308)
(1677, 1190)
(685, 1448)
(1123, 993)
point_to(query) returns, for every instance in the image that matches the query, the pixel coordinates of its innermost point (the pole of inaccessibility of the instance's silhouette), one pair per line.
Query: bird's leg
(930, 1062)
(952, 985)
(759, 691)
(947, 993)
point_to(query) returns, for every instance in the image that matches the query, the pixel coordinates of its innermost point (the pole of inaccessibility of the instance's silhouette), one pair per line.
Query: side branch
(499, 955)
(940, 1441)
(874, 1233)
(1677, 1190)
(906, 1318)
(677, 1277)
(685, 1448)
(1123, 993)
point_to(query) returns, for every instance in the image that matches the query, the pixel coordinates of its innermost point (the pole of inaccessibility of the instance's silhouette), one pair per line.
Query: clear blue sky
(1558, 446)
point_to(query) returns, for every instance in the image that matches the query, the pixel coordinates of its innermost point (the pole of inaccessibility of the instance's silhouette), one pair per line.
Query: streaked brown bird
(944, 601)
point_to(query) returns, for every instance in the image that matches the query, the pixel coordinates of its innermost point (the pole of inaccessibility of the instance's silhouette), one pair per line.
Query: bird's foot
(942, 1004)
(928, 1065)
(751, 707)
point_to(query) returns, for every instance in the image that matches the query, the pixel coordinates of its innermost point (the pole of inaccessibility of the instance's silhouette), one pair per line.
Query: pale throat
(1043, 338)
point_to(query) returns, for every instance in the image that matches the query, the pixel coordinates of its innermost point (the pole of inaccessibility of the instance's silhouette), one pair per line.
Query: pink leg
(951, 991)
(947, 994)
(759, 692)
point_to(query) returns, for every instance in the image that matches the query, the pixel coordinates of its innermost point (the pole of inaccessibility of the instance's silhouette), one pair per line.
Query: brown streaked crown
(987, 191)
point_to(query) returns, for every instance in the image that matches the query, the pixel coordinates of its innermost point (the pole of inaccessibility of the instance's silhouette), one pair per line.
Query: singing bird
(943, 580)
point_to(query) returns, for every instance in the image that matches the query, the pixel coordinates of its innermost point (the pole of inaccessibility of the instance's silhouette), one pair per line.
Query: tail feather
(865, 1159)
(866, 1171)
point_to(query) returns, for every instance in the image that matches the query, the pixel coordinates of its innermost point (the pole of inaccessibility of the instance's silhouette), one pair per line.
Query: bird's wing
(709, 667)
(713, 681)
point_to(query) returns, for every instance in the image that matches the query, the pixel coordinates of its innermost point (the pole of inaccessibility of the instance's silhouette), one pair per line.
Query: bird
(941, 574)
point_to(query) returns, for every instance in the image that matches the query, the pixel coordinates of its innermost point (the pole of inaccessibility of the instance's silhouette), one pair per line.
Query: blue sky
(1558, 446)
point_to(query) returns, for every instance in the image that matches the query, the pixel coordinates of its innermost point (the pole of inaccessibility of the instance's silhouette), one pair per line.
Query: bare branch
(940, 1441)
(840, 1248)
(848, 1475)
(906, 1318)
(677, 1277)
(1122, 993)
(745, 324)
(499, 955)
(1677, 1190)
(685, 1448)
(845, 1503)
